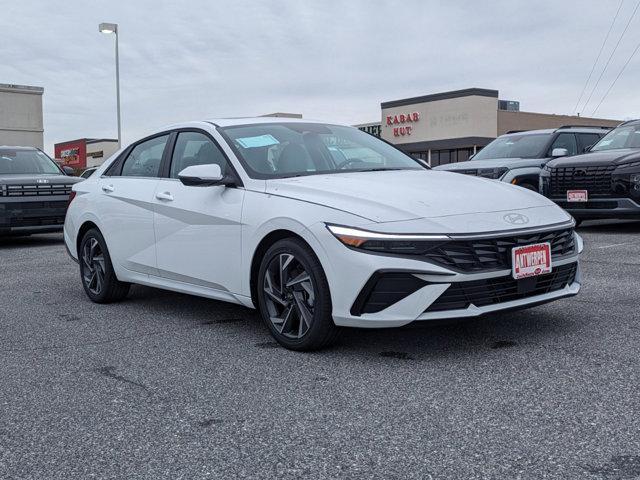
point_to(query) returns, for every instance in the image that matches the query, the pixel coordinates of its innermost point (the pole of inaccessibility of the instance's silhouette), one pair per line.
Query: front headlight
(493, 173)
(394, 243)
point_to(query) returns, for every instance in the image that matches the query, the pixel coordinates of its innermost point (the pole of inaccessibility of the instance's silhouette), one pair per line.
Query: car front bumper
(25, 215)
(601, 208)
(350, 273)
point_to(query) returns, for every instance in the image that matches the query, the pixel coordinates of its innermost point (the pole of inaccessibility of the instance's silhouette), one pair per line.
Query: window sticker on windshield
(259, 141)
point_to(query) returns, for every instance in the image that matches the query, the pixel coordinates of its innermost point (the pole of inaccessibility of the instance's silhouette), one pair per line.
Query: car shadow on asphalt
(540, 326)
(14, 242)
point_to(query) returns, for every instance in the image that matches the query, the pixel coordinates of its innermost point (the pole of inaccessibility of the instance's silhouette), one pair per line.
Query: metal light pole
(113, 28)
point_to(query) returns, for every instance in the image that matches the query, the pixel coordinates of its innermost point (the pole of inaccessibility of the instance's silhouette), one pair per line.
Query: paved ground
(170, 386)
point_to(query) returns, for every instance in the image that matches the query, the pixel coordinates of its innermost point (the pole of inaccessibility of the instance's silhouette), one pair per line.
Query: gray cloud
(329, 59)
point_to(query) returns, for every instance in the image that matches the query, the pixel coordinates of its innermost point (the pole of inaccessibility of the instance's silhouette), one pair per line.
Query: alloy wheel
(93, 273)
(290, 296)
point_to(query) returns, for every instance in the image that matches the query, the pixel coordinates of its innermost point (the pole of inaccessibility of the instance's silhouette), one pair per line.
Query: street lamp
(113, 28)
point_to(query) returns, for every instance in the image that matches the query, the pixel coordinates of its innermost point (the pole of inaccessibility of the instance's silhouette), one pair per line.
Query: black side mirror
(69, 171)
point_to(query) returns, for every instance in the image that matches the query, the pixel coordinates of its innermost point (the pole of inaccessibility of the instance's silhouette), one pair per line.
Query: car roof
(18, 147)
(568, 129)
(228, 122)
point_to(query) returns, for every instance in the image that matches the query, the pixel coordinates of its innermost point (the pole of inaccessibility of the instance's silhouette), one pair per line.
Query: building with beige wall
(21, 122)
(451, 126)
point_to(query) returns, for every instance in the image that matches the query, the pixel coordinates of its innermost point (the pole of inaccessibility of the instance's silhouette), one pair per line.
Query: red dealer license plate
(531, 260)
(577, 196)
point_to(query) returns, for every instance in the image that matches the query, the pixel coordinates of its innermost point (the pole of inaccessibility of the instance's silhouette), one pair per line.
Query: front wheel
(96, 270)
(294, 298)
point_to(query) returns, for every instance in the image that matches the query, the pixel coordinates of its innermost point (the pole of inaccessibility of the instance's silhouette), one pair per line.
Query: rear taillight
(72, 195)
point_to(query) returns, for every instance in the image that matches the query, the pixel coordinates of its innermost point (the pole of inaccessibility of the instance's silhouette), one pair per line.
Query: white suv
(318, 226)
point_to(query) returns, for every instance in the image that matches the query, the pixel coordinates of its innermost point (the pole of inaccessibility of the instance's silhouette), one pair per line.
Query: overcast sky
(333, 60)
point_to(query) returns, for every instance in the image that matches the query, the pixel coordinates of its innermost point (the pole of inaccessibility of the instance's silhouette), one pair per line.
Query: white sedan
(316, 225)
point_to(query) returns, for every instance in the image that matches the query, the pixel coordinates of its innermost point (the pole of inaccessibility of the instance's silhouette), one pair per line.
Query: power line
(611, 55)
(616, 79)
(575, 109)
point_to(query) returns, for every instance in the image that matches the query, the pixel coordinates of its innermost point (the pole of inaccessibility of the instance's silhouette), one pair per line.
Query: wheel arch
(267, 241)
(84, 228)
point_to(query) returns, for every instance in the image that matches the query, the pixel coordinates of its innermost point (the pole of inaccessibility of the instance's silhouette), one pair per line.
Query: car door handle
(165, 196)
(108, 188)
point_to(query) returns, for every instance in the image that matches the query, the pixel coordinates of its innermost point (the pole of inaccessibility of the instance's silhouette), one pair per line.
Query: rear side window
(193, 148)
(586, 140)
(144, 160)
(567, 141)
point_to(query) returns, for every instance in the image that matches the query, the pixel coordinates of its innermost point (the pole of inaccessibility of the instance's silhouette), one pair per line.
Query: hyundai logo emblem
(516, 218)
(580, 173)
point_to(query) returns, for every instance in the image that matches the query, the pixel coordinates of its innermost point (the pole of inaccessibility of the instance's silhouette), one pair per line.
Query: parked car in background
(266, 213)
(88, 172)
(518, 157)
(603, 183)
(34, 192)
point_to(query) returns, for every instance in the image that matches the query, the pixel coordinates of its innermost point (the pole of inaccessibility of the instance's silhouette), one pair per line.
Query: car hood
(594, 159)
(493, 163)
(405, 195)
(33, 179)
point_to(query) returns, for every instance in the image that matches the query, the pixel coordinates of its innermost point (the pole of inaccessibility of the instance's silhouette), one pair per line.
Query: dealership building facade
(21, 122)
(451, 126)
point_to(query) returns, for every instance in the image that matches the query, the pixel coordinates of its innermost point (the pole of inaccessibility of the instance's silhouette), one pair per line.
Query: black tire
(96, 271)
(309, 299)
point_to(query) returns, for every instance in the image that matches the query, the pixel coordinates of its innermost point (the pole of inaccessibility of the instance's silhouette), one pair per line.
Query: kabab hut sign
(401, 123)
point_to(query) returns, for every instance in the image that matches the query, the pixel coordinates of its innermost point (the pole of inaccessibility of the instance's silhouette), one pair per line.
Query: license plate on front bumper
(531, 260)
(577, 196)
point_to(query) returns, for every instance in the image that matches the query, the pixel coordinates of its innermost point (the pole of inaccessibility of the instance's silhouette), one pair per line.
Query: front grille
(35, 190)
(596, 180)
(32, 214)
(495, 253)
(492, 291)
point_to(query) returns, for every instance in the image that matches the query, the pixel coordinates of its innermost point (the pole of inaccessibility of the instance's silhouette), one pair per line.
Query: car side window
(194, 148)
(586, 140)
(144, 160)
(565, 140)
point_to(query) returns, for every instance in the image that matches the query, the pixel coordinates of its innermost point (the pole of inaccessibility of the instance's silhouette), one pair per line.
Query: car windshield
(26, 162)
(277, 150)
(514, 146)
(621, 137)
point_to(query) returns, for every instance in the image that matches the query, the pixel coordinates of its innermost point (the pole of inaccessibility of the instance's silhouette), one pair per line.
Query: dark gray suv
(34, 192)
(518, 157)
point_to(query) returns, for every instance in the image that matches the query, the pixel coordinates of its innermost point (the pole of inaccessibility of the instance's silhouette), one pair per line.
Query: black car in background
(34, 192)
(603, 183)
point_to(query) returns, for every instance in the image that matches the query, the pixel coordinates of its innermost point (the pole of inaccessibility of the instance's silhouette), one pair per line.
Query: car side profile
(317, 226)
(34, 192)
(603, 183)
(518, 157)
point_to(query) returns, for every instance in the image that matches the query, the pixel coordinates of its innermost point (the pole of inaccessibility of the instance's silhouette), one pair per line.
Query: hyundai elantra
(316, 225)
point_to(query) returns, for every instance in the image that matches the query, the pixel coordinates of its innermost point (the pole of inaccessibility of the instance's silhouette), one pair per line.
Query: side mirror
(559, 152)
(201, 175)
(68, 171)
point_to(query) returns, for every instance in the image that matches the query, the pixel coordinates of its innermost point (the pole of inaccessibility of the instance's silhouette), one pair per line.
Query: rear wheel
(294, 298)
(96, 270)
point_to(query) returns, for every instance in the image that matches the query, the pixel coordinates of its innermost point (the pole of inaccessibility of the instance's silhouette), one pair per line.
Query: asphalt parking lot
(170, 386)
